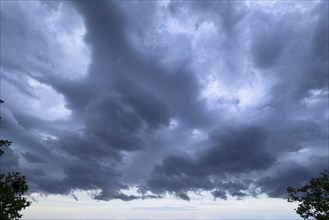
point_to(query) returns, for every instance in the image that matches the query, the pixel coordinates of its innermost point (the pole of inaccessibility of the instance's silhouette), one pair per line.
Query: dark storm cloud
(219, 194)
(125, 115)
(148, 107)
(51, 5)
(135, 118)
(227, 14)
(18, 84)
(230, 144)
(9, 160)
(280, 44)
(176, 88)
(106, 29)
(13, 129)
(121, 125)
(83, 176)
(33, 158)
(232, 151)
(119, 69)
(18, 29)
(291, 135)
(62, 158)
(84, 146)
(81, 171)
(320, 36)
(133, 108)
(270, 40)
(292, 175)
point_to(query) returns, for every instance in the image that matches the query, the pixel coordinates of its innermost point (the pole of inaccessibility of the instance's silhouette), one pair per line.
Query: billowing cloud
(169, 97)
(231, 153)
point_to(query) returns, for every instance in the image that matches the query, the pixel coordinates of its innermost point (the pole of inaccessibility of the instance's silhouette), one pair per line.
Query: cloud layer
(170, 97)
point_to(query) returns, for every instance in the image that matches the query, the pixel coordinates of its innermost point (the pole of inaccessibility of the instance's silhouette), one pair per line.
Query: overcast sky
(173, 98)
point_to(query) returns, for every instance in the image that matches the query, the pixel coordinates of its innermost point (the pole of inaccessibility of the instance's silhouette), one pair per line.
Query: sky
(168, 109)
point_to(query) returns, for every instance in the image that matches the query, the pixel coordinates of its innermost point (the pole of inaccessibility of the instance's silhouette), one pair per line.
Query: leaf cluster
(313, 198)
(12, 200)
(4, 143)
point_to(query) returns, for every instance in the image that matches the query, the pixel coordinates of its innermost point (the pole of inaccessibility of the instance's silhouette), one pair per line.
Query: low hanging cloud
(232, 152)
(169, 97)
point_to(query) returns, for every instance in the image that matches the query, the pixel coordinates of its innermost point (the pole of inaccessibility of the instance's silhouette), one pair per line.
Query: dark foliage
(313, 198)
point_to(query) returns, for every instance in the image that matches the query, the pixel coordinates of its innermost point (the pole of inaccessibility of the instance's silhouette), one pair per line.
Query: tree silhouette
(314, 198)
(13, 186)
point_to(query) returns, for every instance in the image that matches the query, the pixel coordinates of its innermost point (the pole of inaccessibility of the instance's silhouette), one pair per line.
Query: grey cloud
(66, 155)
(51, 5)
(177, 89)
(227, 14)
(33, 158)
(78, 94)
(239, 195)
(28, 122)
(35, 177)
(232, 151)
(13, 129)
(124, 108)
(9, 160)
(219, 194)
(286, 134)
(320, 36)
(17, 29)
(270, 38)
(18, 84)
(294, 174)
(106, 29)
(230, 14)
(148, 107)
(164, 179)
(183, 196)
(121, 196)
(229, 146)
(305, 131)
(83, 175)
(121, 124)
(279, 48)
(83, 146)
(124, 116)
